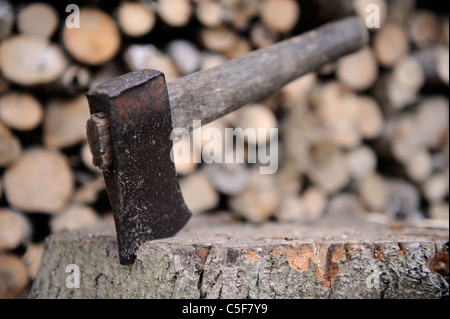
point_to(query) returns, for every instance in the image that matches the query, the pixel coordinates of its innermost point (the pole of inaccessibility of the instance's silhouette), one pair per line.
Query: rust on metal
(141, 180)
(132, 119)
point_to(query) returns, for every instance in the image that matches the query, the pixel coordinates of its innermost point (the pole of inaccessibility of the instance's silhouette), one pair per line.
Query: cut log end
(10, 146)
(136, 19)
(280, 15)
(390, 44)
(176, 13)
(39, 180)
(359, 70)
(46, 63)
(20, 111)
(209, 13)
(75, 216)
(65, 122)
(15, 229)
(424, 28)
(6, 19)
(199, 194)
(32, 259)
(13, 273)
(84, 43)
(259, 201)
(39, 19)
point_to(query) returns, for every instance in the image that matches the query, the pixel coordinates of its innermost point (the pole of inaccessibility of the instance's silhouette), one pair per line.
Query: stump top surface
(225, 231)
(219, 257)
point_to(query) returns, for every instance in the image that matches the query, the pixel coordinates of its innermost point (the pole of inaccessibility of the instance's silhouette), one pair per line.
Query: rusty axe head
(129, 136)
(130, 126)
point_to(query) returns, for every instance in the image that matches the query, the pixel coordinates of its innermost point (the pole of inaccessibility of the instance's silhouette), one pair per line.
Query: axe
(132, 117)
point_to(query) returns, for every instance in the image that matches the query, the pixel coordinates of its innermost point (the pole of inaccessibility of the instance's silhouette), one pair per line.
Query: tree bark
(212, 259)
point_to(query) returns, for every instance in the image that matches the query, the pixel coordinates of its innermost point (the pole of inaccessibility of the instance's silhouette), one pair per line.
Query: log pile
(366, 137)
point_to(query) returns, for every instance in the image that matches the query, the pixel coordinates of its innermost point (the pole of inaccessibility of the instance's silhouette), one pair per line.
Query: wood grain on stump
(212, 259)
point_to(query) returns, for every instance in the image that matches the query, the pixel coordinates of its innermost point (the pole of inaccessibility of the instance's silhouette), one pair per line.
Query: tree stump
(211, 258)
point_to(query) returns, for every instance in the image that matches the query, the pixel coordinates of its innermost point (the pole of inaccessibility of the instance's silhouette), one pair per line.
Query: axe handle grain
(210, 94)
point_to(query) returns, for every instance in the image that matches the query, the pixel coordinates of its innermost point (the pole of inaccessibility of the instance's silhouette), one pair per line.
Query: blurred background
(363, 138)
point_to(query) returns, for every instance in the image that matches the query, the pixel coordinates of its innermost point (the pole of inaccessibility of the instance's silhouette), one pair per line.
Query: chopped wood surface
(220, 258)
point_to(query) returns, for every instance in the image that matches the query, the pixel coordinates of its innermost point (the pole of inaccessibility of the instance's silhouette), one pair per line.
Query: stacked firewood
(366, 137)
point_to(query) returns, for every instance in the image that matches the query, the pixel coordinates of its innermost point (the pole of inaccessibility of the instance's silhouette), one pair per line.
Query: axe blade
(142, 183)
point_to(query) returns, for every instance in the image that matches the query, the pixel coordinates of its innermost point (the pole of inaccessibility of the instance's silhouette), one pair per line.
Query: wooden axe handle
(210, 94)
